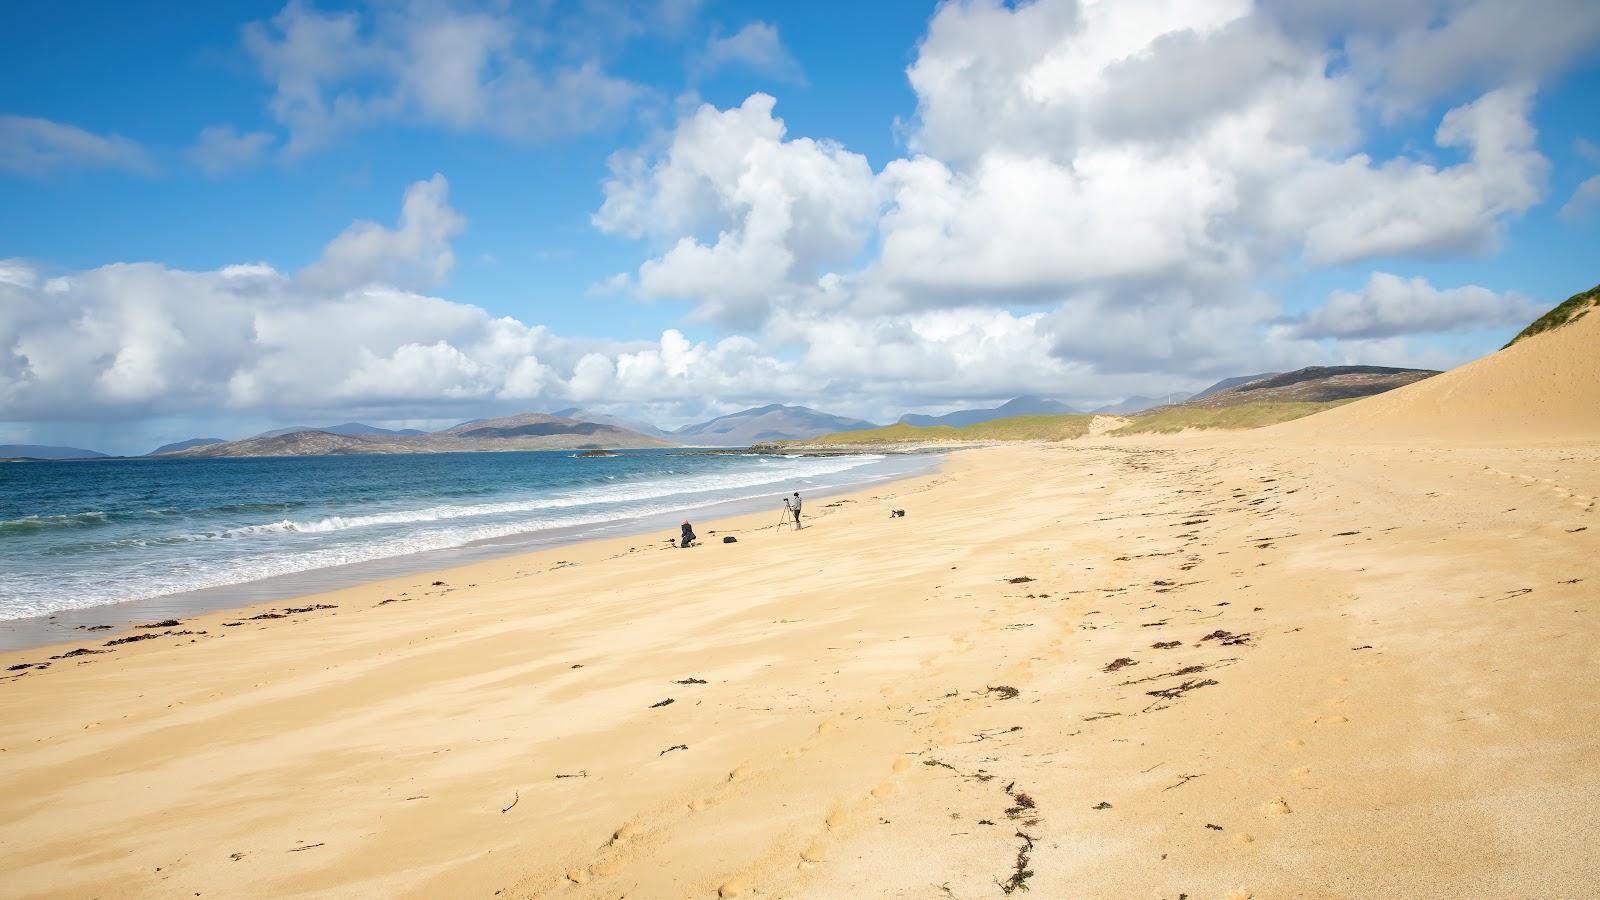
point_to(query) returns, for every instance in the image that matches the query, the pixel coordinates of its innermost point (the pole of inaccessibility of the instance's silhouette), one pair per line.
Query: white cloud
(426, 63)
(1355, 210)
(1389, 306)
(1074, 154)
(1417, 52)
(748, 214)
(417, 253)
(220, 148)
(755, 46)
(37, 147)
(1583, 203)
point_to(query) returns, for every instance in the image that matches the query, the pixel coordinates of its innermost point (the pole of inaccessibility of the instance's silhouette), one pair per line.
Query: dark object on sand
(1101, 805)
(666, 702)
(169, 623)
(1121, 662)
(687, 535)
(1005, 691)
(1023, 579)
(730, 539)
(1166, 645)
(897, 514)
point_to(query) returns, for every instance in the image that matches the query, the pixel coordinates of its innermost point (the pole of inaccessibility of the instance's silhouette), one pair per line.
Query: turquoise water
(75, 535)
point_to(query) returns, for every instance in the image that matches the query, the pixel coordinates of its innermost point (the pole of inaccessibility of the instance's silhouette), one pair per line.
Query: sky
(235, 216)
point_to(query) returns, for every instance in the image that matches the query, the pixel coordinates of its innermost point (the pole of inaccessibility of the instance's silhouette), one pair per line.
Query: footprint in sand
(696, 804)
(1240, 895)
(1243, 839)
(814, 853)
(1329, 720)
(883, 790)
(1292, 744)
(628, 830)
(578, 876)
(733, 887)
(1302, 772)
(837, 818)
(741, 773)
(901, 764)
(1278, 807)
(606, 867)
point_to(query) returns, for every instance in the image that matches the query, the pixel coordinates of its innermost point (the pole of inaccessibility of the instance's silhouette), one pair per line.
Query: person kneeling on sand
(688, 535)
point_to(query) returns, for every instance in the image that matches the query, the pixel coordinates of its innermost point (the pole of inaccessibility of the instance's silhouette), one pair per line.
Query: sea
(83, 540)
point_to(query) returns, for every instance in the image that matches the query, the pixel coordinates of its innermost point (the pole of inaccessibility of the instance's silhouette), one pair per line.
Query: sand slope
(1545, 388)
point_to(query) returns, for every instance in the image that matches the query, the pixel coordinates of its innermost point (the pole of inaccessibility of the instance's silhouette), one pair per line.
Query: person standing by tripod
(794, 507)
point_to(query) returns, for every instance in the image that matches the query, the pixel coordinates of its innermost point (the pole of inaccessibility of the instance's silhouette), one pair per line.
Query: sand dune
(1545, 388)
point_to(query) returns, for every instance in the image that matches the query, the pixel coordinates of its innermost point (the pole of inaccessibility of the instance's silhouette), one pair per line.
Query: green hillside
(1571, 310)
(1171, 419)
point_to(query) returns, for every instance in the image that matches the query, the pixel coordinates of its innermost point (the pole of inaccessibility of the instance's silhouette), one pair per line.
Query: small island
(592, 454)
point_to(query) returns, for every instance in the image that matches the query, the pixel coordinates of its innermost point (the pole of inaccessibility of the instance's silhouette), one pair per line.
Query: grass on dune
(1571, 310)
(1172, 419)
(1016, 428)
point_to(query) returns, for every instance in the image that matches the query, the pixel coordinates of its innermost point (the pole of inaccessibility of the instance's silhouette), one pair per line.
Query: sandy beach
(1203, 666)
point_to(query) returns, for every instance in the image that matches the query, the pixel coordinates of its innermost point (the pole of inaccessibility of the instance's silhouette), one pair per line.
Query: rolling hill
(45, 451)
(348, 429)
(1313, 384)
(1019, 406)
(529, 431)
(774, 422)
(175, 446)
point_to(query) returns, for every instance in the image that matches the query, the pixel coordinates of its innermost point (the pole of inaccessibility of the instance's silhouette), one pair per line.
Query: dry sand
(1243, 666)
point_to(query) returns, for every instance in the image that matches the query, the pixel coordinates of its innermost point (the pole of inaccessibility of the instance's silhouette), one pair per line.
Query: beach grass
(1570, 310)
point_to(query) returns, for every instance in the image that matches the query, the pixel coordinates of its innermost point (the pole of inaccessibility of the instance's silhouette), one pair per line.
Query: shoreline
(1206, 667)
(71, 626)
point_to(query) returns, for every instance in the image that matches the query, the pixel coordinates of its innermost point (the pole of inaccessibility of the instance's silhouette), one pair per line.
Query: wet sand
(1213, 667)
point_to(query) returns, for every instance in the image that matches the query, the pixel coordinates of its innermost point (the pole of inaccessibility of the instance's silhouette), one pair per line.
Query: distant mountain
(42, 451)
(1139, 404)
(1314, 384)
(1020, 406)
(530, 431)
(584, 415)
(1226, 383)
(348, 429)
(774, 422)
(175, 446)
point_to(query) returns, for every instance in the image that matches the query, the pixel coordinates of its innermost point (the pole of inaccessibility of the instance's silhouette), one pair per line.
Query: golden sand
(1222, 666)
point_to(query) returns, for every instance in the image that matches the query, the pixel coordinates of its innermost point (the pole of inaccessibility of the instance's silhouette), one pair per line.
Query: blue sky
(938, 206)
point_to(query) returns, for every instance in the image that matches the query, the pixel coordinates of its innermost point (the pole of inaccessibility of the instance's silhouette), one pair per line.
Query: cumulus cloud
(755, 46)
(1098, 157)
(745, 212)
(417, 253)
(469, 71)
(1388, 306)
(220, 148)
(30, 146)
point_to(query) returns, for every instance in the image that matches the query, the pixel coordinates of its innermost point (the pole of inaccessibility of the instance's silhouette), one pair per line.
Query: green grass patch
(1571, 310)
(1172, 419)
(1016, 428)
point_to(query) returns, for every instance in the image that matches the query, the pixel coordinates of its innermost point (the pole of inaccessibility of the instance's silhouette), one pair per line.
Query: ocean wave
(28, 524)
(634, 493)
